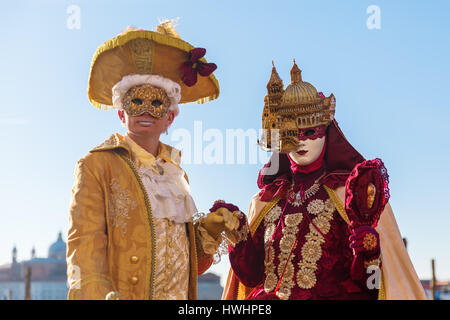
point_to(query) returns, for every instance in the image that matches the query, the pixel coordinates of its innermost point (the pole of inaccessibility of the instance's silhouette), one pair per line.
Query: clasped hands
(222, 217)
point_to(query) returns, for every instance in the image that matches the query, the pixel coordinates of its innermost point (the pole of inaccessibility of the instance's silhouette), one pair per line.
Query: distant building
(209, 287)
(49, 278)
(442, 289)
(48, 275)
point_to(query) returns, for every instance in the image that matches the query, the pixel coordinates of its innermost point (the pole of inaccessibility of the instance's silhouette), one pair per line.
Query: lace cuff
(240, 234)
(210, 246)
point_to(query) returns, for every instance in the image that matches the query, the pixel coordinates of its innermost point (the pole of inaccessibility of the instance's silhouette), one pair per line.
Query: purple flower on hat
(190, 68)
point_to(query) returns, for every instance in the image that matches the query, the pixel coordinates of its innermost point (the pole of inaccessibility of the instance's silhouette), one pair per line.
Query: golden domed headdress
(299, 106)
(146, 54)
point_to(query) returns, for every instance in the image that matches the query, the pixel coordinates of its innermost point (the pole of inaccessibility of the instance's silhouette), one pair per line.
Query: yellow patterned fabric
(111, 242)
(172, 261)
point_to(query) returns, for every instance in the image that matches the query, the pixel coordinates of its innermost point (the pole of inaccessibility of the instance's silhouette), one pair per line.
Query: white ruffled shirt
(169, 192)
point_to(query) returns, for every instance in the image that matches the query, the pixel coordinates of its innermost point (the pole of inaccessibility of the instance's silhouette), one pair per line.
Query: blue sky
(390, 86)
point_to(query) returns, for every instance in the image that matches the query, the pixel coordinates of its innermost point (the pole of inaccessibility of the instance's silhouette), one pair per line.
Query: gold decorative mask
(146, 98)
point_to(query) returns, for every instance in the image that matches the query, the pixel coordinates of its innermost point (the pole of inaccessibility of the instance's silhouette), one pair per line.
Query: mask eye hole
(309, 132)
(137, 101)
(156, 103)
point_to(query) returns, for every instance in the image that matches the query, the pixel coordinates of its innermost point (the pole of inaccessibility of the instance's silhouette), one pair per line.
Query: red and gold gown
(306, 246)
(295, 244)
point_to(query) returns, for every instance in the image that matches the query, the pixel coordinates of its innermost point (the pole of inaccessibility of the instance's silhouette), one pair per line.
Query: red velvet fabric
(361, 253)
(222, 204)
(335, 277)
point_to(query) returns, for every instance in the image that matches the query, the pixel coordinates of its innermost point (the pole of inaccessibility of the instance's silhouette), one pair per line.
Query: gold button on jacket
(134, 280)
(134, 259)
(110, 221)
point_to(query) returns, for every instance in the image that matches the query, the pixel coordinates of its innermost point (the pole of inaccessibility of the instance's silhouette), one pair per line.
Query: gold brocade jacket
(111, 237)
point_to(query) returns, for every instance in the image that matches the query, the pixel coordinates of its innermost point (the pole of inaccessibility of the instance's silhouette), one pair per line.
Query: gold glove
(220, 220)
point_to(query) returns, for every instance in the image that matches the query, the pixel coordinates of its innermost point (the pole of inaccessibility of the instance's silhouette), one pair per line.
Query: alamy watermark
(223, 147)
(373, 281)
(374, 20)
(73, 21)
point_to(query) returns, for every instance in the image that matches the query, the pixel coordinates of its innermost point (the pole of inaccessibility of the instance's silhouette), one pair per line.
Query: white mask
(308, 151)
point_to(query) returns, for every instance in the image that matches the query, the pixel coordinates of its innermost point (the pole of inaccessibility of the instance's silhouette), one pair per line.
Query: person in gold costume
(132, 233)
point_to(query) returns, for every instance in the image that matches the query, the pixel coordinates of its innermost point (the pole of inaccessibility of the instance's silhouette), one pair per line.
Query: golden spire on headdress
(274, 78)
(296, 74)
(299, 91)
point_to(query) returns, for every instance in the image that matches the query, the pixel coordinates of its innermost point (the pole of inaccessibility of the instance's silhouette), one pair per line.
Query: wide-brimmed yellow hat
(147, 52)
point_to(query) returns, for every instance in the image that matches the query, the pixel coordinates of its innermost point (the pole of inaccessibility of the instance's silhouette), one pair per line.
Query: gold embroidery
(273, 215)
(287, 244)
(287, 283)
(293, 220)
(271, 282)
(315, 206)
(120, 204)
(269, 223)
(306, 278)
(268, 233)
(312, 250)
(142, 54)
(322, 223)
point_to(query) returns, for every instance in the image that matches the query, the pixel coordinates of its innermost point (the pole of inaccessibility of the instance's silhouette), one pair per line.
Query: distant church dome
(58, 249)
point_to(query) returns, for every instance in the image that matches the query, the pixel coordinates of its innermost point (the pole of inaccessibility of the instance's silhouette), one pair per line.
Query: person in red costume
(321, 227)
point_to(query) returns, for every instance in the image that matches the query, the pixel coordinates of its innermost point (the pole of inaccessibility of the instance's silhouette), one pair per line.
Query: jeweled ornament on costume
(298, 198)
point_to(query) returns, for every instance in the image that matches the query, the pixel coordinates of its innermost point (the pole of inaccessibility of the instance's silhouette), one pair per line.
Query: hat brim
(144, 52)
